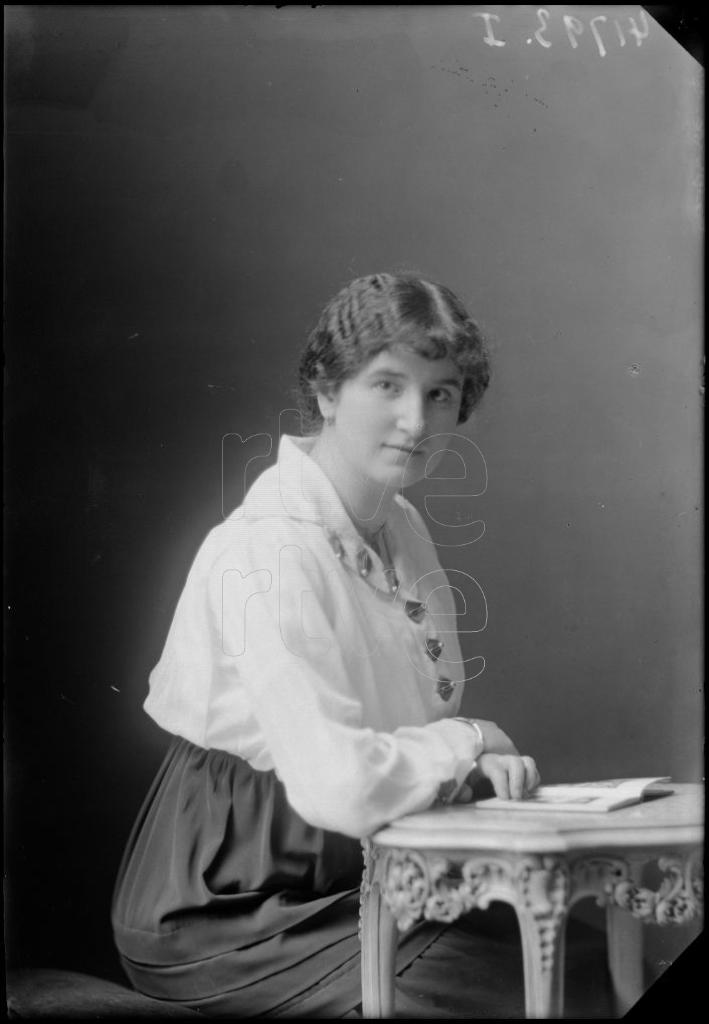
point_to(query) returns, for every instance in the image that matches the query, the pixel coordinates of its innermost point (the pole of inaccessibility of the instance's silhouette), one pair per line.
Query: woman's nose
(411, 417)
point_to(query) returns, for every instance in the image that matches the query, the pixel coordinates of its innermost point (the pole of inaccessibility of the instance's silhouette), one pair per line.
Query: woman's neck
(366, 503)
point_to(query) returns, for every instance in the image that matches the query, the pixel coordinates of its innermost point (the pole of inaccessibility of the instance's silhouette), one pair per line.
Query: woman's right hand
(512, 777)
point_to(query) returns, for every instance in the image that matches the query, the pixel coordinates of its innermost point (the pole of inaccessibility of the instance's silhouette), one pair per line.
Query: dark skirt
(228, 902)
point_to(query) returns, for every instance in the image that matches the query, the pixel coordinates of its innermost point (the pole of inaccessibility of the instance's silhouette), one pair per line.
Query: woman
(306, 681)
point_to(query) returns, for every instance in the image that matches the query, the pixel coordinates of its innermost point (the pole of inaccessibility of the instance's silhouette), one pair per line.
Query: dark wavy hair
(368, 316)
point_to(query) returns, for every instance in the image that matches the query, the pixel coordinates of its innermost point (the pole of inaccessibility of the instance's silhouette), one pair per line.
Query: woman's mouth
(404, 450)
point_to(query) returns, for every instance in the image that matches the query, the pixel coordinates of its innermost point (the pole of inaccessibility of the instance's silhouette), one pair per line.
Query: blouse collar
(296, 487)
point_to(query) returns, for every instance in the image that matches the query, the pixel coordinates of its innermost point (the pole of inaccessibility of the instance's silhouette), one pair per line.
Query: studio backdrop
(186, 187)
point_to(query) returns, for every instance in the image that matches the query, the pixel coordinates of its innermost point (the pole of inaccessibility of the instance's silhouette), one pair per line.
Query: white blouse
(287, 649)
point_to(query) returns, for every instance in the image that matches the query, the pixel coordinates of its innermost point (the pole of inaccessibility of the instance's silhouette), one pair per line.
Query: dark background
(185, 188)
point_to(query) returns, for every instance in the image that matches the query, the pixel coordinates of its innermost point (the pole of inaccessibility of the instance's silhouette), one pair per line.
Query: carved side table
(440, 863)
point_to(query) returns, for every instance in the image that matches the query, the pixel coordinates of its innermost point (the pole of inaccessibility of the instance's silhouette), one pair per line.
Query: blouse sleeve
(271, 597)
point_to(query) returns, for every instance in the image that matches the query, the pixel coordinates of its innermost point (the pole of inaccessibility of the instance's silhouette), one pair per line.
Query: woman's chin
(392, 476)
(406, 477)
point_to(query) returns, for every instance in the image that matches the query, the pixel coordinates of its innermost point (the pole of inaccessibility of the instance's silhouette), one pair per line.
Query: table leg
(379, 937)
(540, 894)
(543, 952)
(625, 957)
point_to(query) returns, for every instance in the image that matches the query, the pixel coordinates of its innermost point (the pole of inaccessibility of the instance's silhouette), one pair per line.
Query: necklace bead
(336, 545)
(434, 647)
(415, 610)
(444, 688)
(364, 562)
(392, 580)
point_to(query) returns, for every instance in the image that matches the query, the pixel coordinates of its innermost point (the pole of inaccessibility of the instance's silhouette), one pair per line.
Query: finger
(500, 782)
(464, 795)
(517, 774)
(532, 778)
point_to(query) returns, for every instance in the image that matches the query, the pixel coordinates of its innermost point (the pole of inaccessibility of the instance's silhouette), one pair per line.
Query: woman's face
(393, 419)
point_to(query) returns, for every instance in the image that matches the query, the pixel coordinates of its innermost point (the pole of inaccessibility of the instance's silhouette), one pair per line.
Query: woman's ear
(327, 402)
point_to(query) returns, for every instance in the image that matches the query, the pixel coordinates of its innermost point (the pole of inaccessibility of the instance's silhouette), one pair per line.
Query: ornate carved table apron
(441, 863)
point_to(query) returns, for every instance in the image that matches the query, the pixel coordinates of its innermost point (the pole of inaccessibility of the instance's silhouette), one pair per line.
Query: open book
(580, 797)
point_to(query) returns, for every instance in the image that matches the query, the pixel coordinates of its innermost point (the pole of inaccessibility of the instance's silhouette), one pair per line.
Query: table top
(674, 819)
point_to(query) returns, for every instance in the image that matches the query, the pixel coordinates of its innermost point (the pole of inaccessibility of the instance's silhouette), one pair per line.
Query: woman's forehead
(405, 361)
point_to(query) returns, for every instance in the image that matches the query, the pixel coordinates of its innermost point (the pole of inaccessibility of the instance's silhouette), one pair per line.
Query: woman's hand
(512, 777)
(495, 741)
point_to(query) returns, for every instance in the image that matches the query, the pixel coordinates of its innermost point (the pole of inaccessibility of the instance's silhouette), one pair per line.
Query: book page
(599, 796)
(636, 785)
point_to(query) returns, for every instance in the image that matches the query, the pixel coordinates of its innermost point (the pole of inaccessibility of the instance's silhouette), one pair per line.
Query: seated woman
(306, 683)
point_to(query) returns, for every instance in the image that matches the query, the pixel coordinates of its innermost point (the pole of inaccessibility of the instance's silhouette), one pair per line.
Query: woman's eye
(385, 385)
(441, 396)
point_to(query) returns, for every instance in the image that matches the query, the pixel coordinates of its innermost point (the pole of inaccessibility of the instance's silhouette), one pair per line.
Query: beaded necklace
(378, 541)
(415, 610)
